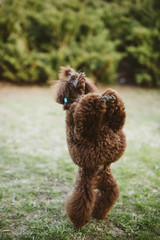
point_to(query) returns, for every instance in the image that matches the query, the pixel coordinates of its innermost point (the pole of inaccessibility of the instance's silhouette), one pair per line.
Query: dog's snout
(81, 75)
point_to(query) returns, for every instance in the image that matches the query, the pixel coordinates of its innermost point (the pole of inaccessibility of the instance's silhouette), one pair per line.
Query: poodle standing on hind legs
(95, 139)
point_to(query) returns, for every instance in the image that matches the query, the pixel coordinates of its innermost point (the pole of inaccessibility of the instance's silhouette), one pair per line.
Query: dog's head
(74, 79)
(72, 85)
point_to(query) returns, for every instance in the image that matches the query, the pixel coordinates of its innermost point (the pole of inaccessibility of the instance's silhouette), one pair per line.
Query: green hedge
(109, 40)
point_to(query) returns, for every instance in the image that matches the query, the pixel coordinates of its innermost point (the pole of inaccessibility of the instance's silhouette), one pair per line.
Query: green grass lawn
(37, 174)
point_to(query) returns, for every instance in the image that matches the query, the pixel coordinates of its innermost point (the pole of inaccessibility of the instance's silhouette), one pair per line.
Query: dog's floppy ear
(90, 87)
(61, 92)
(61, 88)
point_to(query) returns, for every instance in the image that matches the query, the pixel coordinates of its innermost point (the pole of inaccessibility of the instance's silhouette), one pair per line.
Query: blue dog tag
(65, 100)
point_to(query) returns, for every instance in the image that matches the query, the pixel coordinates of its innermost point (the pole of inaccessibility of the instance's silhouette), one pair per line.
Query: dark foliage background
(109, 40)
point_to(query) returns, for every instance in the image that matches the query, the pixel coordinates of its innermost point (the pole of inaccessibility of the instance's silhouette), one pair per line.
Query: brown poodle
(95, 139)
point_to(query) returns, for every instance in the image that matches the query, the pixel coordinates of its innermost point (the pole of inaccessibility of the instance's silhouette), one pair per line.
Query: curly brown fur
(95, 140)
(107, 193)
(80, 205)
(71, 85)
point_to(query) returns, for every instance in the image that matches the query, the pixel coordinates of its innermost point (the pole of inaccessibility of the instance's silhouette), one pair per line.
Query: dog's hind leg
(106, 195)
(80, 204)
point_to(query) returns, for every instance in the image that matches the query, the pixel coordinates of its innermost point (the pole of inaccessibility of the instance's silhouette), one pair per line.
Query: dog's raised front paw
(108, 99)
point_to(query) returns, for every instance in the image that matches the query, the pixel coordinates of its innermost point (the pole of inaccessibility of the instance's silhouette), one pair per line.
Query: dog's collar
(65, 100)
